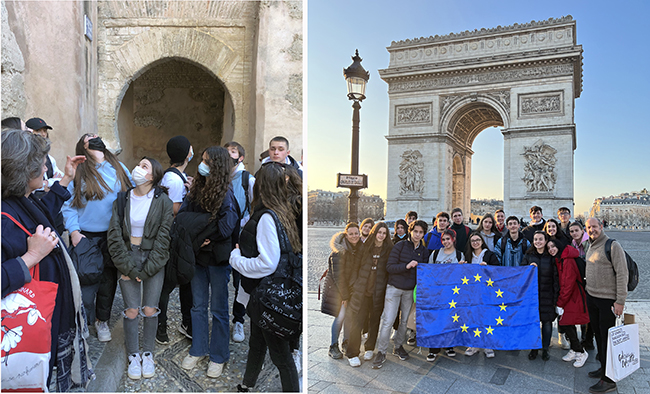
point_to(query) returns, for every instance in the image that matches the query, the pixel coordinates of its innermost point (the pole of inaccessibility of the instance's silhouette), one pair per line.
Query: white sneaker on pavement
(570, 356)
(471, 351)
(368, 355)
(354, 361)
(581, 358)
(103, 332)
(189, 362)
(238, 332)
(135, 368)
(489, 353)
(214, 369)
(148, 366)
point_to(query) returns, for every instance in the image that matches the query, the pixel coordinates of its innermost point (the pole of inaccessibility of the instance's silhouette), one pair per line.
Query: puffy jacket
(341, 272)
(401, 255)
(547, 282)
(511, 254)
(529, 231)
(155, 238)
(381, 279)
(572, 295)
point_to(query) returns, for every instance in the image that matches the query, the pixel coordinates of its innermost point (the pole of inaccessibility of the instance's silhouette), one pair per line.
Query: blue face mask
(204, 169)
(191, 155)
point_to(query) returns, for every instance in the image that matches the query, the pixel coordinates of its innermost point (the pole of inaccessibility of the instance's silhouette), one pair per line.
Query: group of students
(130, 217)
(370, 280)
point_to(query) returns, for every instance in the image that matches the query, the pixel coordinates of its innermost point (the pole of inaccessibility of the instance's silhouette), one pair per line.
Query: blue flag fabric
(477, 305)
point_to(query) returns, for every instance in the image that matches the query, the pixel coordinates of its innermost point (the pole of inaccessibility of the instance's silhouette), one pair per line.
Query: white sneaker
(148, 366)
(103, 332)
(570, 356)
(471, 351)
(297, 359)
(354, 361)
(368, 355)
(489, 353)
(563, 342)
(581, 358)
(135, 368)
(238, 332)
(214, 369)
(189, 362)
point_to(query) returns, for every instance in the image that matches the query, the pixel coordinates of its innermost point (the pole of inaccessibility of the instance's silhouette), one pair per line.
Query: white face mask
(139, 175)
(204, 169)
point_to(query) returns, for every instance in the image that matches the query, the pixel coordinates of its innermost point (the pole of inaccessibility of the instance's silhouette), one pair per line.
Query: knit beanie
(177, 149)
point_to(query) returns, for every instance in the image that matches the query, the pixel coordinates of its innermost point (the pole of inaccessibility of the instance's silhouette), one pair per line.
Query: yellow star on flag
(503, 306)
(455, 289)
(489, 330)
(490, 282)
(464, 328)
(477, 278)
(465, 281)
(499, 321)
(455, 317)
(499, 293)
(452, 304)
(477, 333)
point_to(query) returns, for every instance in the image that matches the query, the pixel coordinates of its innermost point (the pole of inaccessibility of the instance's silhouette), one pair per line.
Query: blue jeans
(210, 285)
(337, 324)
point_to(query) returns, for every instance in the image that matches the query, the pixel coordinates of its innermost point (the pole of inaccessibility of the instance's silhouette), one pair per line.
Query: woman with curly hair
(87, 215)
(210, 208)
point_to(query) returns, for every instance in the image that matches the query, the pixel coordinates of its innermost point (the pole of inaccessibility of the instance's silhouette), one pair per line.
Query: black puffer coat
(547, 280)
(341, 272)
(361, 283)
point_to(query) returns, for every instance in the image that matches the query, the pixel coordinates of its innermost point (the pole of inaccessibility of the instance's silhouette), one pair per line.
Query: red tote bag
(27, 333)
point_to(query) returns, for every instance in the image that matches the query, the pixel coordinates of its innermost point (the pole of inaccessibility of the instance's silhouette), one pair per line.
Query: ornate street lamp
(357, 78)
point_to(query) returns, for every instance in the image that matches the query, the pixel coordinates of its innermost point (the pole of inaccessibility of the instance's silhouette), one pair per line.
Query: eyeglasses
(476, 241)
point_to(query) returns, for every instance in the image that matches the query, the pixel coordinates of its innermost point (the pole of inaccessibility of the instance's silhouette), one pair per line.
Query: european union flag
(477, 305)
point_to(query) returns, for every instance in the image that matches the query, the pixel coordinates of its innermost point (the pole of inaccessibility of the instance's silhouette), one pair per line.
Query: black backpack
(275, 305)
(582, 268)
(632, 268)
(245, 175)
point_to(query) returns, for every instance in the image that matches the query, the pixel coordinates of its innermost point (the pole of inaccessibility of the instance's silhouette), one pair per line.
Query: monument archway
(445, 90)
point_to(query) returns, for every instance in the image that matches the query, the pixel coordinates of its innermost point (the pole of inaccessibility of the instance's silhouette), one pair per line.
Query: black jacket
(381, 279)
(341, 273)
(462, 235)
(529, 231)
(401, 255)
(548, 282)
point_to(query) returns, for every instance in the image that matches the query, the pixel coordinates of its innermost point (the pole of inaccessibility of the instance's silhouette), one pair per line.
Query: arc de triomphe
(445, 90)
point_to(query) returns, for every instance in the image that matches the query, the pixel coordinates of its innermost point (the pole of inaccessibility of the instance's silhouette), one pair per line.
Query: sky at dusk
(613, 137)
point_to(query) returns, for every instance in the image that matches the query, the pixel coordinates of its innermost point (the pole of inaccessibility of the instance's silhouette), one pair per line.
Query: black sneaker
(431, 357)
(545, 355)
(380, 359)
(412, 341)
(186, 330)
(161, 337)
(533, 354)
(401, 353)
(334, 352)
(241, 389)
(450, 352)
(596, 374)
(602, 387)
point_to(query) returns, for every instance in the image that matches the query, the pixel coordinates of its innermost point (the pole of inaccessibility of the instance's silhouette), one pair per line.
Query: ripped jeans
(138, 295)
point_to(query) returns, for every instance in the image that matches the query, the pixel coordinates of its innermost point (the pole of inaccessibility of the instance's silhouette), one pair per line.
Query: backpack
(245, 175)
(582, 268)
(275, 305)
(632, 268)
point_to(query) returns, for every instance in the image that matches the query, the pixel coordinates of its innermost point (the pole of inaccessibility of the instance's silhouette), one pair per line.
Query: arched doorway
(170, 97)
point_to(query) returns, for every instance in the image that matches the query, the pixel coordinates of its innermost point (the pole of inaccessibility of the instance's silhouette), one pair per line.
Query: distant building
(481, 207)
(626, 211)
(332, 207)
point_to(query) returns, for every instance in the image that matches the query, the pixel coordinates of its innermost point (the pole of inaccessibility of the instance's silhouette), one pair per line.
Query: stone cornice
(550, 22)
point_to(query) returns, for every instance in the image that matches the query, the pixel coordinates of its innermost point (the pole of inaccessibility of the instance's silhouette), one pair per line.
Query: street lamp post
(356, 77)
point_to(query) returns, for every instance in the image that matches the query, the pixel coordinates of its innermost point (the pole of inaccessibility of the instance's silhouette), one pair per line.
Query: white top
(139, 209)
(444, 258)
(176, 186)
(263, 265)
(478, 259)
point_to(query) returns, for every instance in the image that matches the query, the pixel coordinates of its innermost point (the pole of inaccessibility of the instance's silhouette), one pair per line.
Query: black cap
(37, 124)
(177, 148)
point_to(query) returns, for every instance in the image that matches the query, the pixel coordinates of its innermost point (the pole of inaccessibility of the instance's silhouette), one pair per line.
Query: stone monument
(445, 90)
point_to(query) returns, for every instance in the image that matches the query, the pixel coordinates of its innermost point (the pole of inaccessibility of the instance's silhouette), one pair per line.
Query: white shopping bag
(623, 355)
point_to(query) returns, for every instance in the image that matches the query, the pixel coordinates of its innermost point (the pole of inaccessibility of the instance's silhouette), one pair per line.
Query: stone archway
(173, 96)
(445, 90)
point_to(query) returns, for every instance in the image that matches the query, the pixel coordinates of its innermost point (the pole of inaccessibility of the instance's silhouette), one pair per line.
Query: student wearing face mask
(87, 215)
(138, 241)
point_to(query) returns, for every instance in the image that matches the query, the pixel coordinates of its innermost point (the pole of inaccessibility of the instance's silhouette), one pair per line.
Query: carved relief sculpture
(540, 175)
(542, 104)
(411, 172)
(410, 114)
